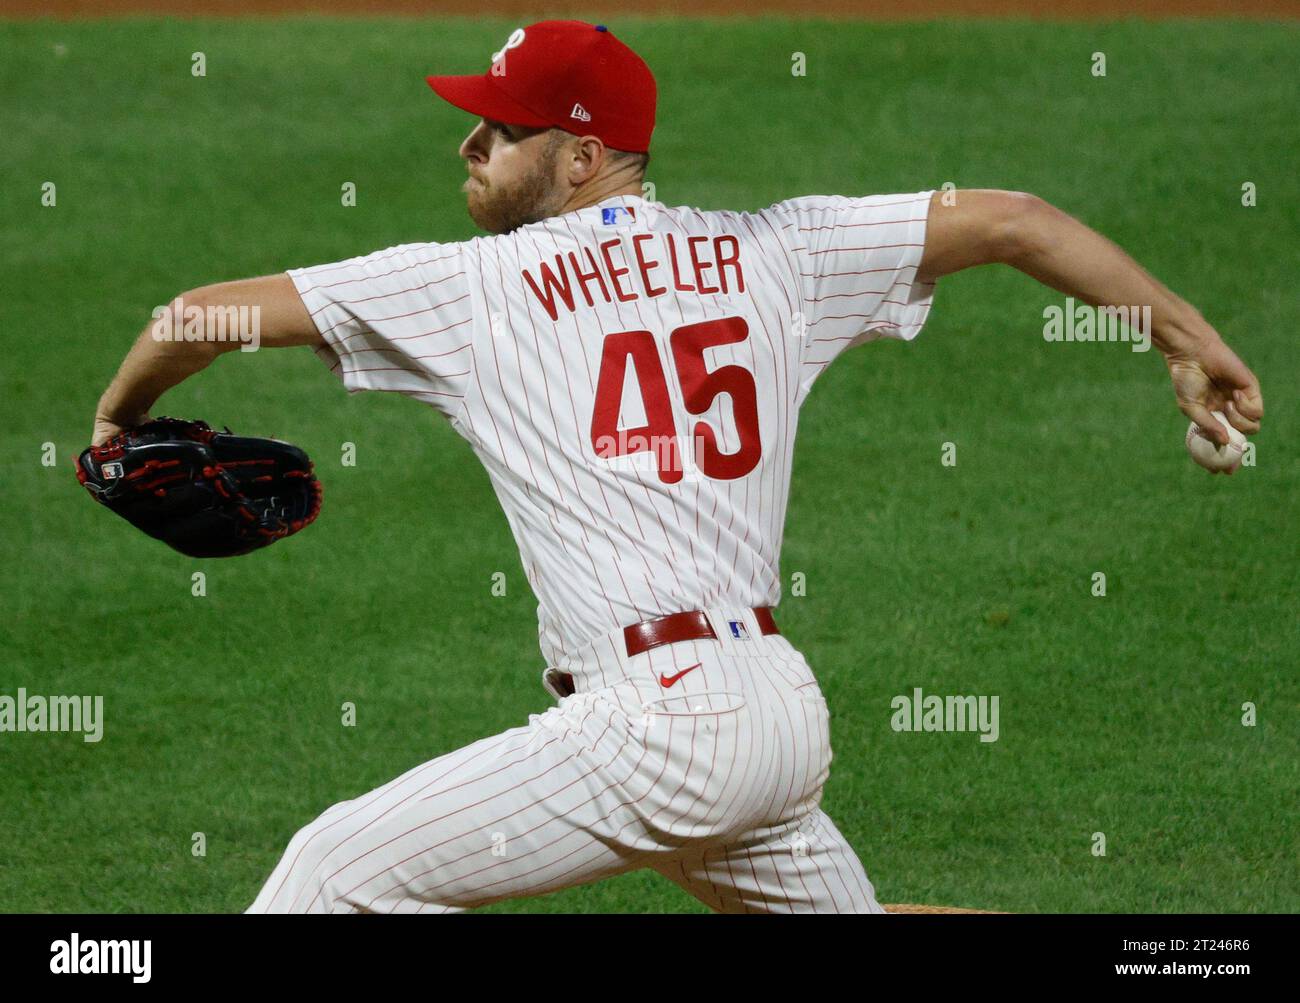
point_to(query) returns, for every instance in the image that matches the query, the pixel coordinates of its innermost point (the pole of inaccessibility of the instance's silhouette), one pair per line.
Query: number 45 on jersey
(699, 389)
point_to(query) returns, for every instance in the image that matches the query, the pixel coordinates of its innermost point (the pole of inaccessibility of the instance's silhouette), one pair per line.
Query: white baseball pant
(704, 760)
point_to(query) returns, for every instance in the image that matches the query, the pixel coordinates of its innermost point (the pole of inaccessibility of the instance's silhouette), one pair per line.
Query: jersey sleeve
(398, 320)
(856, 260)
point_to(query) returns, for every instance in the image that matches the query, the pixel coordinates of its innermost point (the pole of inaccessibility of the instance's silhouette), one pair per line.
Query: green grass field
(1119, 714)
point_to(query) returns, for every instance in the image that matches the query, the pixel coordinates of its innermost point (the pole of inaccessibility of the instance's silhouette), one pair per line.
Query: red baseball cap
(570, 75)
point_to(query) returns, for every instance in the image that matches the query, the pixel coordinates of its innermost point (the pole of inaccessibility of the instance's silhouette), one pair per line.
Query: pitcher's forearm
(1059, 251)
(269, 306)
(150, 369)
(972, 227)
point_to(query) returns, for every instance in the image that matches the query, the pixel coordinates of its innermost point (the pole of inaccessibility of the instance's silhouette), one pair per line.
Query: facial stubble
(528, 200)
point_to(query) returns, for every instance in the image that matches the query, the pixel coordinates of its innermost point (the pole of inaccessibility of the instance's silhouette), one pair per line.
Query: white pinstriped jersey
(630, 375)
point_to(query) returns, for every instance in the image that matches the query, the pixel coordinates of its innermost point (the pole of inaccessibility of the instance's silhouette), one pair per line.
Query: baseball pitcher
(631, 375)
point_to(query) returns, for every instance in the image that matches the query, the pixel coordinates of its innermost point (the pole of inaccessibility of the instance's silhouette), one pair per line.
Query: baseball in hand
(1212, 456)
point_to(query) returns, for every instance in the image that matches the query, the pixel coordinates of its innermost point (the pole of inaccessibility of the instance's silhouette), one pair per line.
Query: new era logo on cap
(567, 75)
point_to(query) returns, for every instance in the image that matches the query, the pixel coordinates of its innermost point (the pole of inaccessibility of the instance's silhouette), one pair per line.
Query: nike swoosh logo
(666, 681)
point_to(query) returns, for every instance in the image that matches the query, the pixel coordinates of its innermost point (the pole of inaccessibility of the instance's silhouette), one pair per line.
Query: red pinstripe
(381, 256)
(818, 827)
(528, 460)
(474, 893)
(546, 455)
(852, 316)
(778, 468)
(789, 393)
(632, 604)
(377, 794)
(690, 541)
(471, 894)
(677, 598)
(386, 369)
(842, 201)
(397, 316)
(651, 786)
(397, 351)
(860, 292)
(827, 852)
(699, 543)
(682, 593)
(413, 794)
(379, 296)
(867, 247)
(435, 820)
(836, 275)
(436, 330)
(639, 610)
(874, 222)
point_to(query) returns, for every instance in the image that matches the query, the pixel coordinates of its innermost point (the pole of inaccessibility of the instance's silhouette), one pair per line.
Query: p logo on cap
(515, 40)
(567, 75)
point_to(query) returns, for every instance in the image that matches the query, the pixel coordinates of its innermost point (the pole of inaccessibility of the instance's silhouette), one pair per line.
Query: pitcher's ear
(585, 158)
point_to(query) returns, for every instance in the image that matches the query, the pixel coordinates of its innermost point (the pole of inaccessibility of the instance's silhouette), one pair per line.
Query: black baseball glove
(204, 493)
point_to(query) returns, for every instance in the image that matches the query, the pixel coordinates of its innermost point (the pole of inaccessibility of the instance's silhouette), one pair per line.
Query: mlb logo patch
(112, 471)
(613, 215)
(738, 630)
